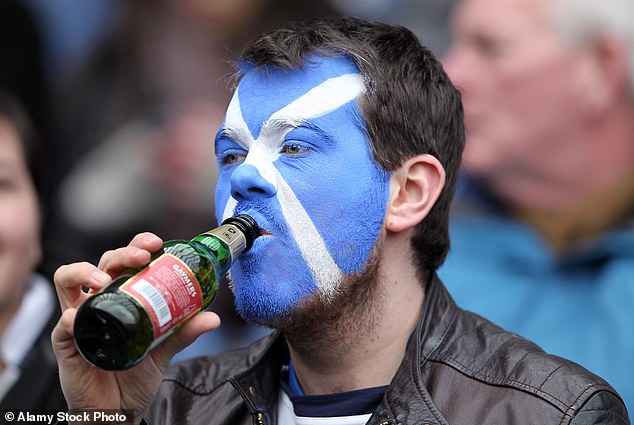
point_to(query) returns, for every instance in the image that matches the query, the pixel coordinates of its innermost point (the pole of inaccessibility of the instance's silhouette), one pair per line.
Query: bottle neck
(226, 243)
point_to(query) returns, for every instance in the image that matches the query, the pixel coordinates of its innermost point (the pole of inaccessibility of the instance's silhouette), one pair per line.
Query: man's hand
(88, 387)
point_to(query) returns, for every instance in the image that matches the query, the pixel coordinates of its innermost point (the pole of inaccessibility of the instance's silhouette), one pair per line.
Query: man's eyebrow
(275, 128)
(284, 123)
(228, 132)
(236, 135)
(319, 131)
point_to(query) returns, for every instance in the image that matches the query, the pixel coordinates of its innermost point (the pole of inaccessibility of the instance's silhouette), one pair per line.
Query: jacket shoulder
(495, 357)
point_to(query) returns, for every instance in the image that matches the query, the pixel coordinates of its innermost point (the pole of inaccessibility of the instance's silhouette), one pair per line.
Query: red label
(168, 290)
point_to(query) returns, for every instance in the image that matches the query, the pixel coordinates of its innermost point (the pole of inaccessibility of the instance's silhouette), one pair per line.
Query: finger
(69, 280)
(136, 254)
(201, 323)
(117, 260)
(146, 240)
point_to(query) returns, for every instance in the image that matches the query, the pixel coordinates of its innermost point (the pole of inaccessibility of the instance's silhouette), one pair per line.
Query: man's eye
(231, 159)
(489, 47)
(293, 149)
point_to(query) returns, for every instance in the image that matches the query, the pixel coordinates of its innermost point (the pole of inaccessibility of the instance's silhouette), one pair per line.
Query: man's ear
(414, 188)
(605, 78)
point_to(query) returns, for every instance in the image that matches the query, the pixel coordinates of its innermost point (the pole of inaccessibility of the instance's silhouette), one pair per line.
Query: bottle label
(167, 290)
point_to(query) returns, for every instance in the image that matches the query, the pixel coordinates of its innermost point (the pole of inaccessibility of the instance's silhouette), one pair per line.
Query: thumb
(62, 335)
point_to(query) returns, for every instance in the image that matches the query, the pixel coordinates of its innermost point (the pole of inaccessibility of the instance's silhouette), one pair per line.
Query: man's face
(522, 92)
(293, 155)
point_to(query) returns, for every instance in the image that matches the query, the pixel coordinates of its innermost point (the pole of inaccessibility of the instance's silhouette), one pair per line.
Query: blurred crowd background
(126, 96)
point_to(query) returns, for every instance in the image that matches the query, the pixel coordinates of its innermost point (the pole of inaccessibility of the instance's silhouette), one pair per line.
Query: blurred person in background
(28, 308)
(137, 121)
(543, 231)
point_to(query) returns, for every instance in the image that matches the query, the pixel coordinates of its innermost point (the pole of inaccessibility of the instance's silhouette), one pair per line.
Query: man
(342, 140)
(543, 240)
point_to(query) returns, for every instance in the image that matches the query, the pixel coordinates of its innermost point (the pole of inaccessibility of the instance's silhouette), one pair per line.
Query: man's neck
(364, 346)
(589, 217)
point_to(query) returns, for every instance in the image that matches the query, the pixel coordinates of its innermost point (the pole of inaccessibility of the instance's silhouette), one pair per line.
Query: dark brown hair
(410, 106)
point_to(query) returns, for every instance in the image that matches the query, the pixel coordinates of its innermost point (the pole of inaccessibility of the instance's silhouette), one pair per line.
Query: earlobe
(414, 189)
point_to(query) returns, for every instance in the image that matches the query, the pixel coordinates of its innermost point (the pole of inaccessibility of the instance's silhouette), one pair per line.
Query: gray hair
(581, 21)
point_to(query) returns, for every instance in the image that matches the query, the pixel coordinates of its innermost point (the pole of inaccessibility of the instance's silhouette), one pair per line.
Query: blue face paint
(294, 156)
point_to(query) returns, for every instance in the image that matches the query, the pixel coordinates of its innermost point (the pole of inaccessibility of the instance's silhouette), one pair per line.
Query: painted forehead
(262, 93)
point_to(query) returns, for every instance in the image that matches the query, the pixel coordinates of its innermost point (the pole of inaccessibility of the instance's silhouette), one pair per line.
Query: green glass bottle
(116, 328)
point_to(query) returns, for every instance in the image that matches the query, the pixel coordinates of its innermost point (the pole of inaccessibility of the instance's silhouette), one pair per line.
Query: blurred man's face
(19, 219)
(521, 88)
(293, 154)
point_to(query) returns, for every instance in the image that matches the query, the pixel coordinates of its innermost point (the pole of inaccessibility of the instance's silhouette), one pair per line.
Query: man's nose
(248, 184)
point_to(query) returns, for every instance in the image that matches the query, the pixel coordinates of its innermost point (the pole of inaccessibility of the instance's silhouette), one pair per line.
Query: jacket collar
(259, 385)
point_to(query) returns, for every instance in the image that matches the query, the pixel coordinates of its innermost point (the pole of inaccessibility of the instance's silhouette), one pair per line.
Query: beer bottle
(116, 328)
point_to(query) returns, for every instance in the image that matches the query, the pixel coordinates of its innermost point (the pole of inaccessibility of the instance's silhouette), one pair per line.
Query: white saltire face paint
(293, 155)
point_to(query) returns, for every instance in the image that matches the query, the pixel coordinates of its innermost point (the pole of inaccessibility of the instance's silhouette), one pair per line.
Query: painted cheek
(362, 200)
(344, 192)
(268, 287)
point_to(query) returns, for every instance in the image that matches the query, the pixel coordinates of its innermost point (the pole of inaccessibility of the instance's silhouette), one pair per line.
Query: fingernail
(100, 277)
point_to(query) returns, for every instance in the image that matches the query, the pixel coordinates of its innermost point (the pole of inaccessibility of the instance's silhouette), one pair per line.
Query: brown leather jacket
(458, 369)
